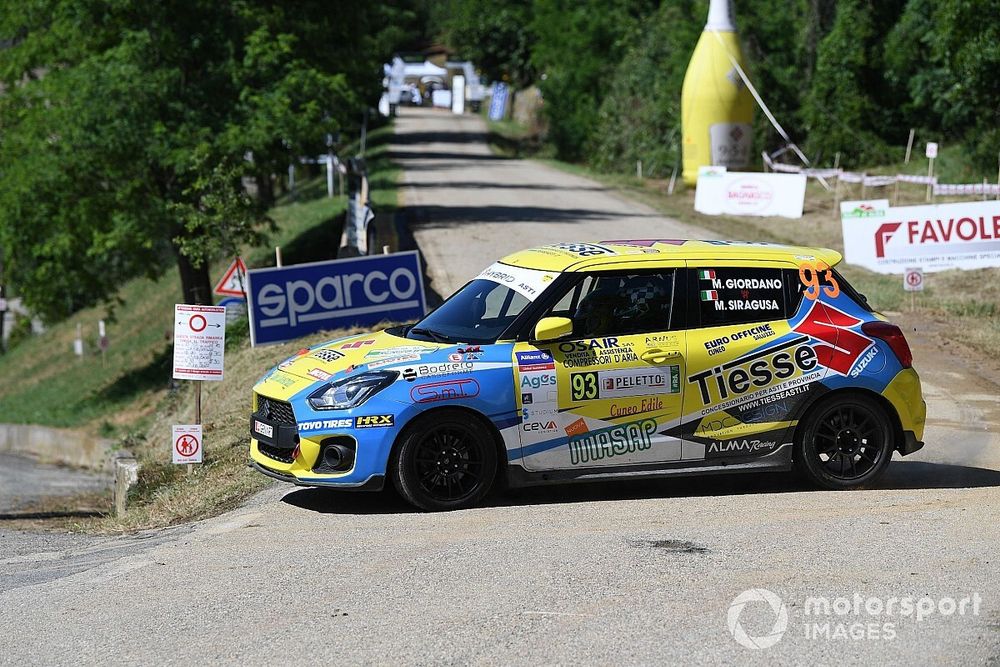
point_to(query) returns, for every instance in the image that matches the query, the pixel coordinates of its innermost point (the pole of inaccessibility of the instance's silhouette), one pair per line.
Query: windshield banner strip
(527, 282)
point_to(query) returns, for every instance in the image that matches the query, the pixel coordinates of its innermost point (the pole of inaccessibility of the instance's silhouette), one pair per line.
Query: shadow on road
(907, 475)
(422, 156)
(431, 216)
(488, 185)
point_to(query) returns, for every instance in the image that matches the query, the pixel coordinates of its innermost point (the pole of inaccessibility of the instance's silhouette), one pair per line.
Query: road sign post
(199, 354)
(913, 282)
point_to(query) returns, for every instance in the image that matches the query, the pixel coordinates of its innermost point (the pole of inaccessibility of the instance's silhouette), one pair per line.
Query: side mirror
(551, 328)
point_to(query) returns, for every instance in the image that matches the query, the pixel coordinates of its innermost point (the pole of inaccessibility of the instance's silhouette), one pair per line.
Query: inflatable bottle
(716, 107)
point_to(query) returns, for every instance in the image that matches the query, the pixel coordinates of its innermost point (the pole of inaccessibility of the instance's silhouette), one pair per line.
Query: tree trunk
(195, 281)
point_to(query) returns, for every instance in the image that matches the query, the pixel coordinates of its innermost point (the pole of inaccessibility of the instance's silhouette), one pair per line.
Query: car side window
(618, 304)
(739, 295)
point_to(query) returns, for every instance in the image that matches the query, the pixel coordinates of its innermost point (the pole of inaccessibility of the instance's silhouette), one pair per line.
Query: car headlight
(351, 392)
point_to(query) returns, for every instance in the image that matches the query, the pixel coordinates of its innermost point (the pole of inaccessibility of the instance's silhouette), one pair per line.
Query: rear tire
(446, 461)
(845, 442)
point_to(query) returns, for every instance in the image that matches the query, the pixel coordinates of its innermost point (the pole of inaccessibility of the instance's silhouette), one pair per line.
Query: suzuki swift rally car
(598, 361)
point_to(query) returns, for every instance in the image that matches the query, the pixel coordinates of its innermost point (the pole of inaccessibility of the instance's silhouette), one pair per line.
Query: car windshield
(482, 310)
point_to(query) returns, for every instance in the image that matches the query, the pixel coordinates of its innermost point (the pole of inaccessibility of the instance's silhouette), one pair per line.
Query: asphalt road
(25, 483)
(598, 574)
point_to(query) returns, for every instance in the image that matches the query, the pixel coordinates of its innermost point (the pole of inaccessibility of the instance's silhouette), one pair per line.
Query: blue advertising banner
(291, 301)
(498, 101)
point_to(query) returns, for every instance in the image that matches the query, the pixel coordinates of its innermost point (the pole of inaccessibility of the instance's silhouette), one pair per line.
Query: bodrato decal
(613, 441)
(758, 369)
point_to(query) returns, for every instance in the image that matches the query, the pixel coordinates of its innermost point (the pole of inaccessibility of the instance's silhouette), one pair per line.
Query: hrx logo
(373, 421)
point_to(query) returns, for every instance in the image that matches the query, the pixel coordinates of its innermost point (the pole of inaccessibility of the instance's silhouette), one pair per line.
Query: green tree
(127, 126)
(578, 44)
(639, 118)
(841, 110)
(495, 36)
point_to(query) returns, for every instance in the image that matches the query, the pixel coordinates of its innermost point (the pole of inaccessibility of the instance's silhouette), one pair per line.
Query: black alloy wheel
(447, 460)
(846, 442)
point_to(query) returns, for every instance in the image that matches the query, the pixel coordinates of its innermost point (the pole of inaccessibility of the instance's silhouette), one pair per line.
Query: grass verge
(127, 393)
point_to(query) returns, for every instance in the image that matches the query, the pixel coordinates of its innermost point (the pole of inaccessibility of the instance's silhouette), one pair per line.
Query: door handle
(657, 356)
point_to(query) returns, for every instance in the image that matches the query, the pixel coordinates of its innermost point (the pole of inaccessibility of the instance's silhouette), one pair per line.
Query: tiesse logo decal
(755, 370)
(584, 387)
(610, 442)
(373, 421)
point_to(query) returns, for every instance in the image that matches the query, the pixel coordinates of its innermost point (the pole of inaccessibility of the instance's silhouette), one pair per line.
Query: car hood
(346, 355)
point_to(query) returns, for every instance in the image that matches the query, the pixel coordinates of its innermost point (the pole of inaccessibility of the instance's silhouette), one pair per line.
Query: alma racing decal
(740, 447)
(611, 442)
(447, 390)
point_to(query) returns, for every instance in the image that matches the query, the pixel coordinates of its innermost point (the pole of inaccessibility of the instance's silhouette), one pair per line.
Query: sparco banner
(888, 239)
(722, 192)
(291, 301)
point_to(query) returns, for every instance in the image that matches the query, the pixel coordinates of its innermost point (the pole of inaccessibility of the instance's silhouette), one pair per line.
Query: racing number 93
(584, 387)
(816, 276)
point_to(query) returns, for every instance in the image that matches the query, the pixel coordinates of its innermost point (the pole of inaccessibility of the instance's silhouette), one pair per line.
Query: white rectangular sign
(722, 192)
(913, 279)
(931, 150)
(186, 443)
(199, 342)
(886, 239)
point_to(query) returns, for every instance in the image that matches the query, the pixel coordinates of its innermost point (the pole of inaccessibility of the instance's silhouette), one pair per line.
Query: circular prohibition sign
(197, 323)
(914, 278)
(187, 445)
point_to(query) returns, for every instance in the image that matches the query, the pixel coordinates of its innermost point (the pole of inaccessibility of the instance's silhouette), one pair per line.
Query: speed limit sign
(913, 279)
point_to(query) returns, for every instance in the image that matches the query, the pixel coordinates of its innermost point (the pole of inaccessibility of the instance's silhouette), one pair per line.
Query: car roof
(568, 257)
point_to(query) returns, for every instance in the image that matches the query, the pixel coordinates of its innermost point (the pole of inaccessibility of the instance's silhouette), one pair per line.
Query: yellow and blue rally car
(593, 361)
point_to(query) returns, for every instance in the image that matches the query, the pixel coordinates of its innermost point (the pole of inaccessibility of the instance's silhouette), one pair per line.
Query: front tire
(844, 443)
(447, 461)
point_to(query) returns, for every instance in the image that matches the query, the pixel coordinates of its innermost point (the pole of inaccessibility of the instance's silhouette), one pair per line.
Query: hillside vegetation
(842, 76)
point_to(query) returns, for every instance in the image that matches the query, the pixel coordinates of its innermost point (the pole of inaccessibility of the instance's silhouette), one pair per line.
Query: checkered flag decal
(327, 355)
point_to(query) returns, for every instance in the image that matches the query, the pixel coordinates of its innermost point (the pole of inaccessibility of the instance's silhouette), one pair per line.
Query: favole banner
(290, 301)
(887, 239)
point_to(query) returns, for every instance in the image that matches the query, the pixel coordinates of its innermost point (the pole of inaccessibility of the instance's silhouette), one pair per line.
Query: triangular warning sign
(234, 281)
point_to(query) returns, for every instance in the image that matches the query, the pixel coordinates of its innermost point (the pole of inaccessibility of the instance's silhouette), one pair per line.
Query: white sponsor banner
(722, 192)
(527, 282)
(888, 239)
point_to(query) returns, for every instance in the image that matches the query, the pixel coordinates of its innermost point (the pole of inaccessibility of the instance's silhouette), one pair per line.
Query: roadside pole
(199, 354)
(931, 152)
